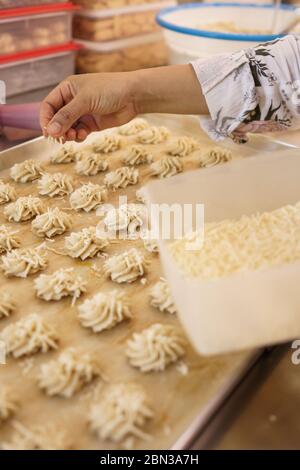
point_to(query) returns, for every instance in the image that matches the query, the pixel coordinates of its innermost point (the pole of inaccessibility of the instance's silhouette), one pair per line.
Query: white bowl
(187, 41)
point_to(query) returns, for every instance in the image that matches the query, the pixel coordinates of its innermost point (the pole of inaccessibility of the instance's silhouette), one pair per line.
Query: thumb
(63, 120)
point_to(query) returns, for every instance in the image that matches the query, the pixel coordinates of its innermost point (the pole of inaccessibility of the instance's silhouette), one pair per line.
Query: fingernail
(54, 128)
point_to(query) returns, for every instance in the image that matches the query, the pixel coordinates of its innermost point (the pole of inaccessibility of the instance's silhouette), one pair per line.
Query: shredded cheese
(252, 242)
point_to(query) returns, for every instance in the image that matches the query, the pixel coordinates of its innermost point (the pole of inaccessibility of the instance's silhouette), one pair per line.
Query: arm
(85, 103)
(174, 89)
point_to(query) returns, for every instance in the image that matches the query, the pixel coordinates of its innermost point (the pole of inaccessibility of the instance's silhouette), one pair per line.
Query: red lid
(37, 10)
(40, 52)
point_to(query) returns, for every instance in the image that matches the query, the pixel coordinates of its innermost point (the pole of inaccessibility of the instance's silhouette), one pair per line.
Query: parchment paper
(176, 399)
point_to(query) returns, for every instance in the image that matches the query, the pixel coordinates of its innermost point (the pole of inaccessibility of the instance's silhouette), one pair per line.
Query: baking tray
(186, 402)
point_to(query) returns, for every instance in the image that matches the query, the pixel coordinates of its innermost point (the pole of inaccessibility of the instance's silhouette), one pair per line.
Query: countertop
(264, 410)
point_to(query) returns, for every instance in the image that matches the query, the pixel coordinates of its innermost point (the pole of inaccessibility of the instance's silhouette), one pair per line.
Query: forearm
(173, 89)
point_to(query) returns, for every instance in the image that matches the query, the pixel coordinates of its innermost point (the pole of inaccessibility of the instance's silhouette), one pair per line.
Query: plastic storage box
(107, 25)
(29, 28)
(26, 3)
(123, 55)
(105, 4)
(34, 70)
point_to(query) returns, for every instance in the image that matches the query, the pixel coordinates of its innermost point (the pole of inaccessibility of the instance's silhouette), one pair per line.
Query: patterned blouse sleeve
(254, 90)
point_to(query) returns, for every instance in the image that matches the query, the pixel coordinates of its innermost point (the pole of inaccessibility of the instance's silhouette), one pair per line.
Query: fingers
(46, 114)
(49, 106)
(71, 134)
(63, 120)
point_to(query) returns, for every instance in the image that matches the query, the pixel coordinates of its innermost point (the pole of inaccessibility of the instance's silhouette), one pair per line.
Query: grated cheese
(249, 243)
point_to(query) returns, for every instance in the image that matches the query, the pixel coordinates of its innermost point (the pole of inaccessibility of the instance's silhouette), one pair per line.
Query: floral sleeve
(254, 90)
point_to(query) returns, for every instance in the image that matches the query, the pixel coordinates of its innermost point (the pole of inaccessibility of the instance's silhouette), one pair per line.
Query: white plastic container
(34, 70)
(30, 28)
(122, 55)
(118, 23)
(187, 35)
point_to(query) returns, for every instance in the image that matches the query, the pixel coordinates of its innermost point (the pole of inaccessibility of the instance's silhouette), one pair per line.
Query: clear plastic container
(108, 25)
(108, 4)
(122, 55)
(26, 3)
(34, 70)
(35, 27)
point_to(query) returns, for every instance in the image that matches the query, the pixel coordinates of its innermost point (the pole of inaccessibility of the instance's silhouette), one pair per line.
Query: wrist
(173, 89)
(139, 92)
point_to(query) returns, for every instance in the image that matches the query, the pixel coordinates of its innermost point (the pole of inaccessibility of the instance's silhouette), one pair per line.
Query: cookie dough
(44, 437)
(214, 157)
(55, 185)
(107, 144)
(23, 209)
(125, 267)
(8, 239)
(24, 261)
(30, 335)
(8, 404)
(67, 374)
(7, 304)
(126, 221)
(52, 223)
(64, 155)
(137, 155)
(62, 283)
(151, 245)
(160, 297)
(155, 348)
(88, 197)
(122, 413)
(104, 311)
(182, 146)
(85, 244)
(134, 127)
(153, 135)
(7, 193)
(166, 167)
(90, 164)
(26, 171)
(121, 178)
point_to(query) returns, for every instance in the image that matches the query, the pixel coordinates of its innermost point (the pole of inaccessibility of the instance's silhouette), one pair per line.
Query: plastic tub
(108, 25)
(115, 4)
(26, 3)
(33, 70)
(187, 38)
(24, 29)
(122, 55)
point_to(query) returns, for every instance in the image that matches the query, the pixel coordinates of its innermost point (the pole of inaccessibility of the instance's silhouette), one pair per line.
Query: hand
(82, 104)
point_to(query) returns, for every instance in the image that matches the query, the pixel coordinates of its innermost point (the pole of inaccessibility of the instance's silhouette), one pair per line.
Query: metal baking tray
(229, 377)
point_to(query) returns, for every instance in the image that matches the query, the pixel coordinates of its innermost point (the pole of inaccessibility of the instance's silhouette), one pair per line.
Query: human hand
(82, 104)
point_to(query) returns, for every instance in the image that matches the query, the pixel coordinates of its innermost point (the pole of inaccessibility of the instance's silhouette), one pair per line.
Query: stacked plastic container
(36, 48)
(119, 35)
